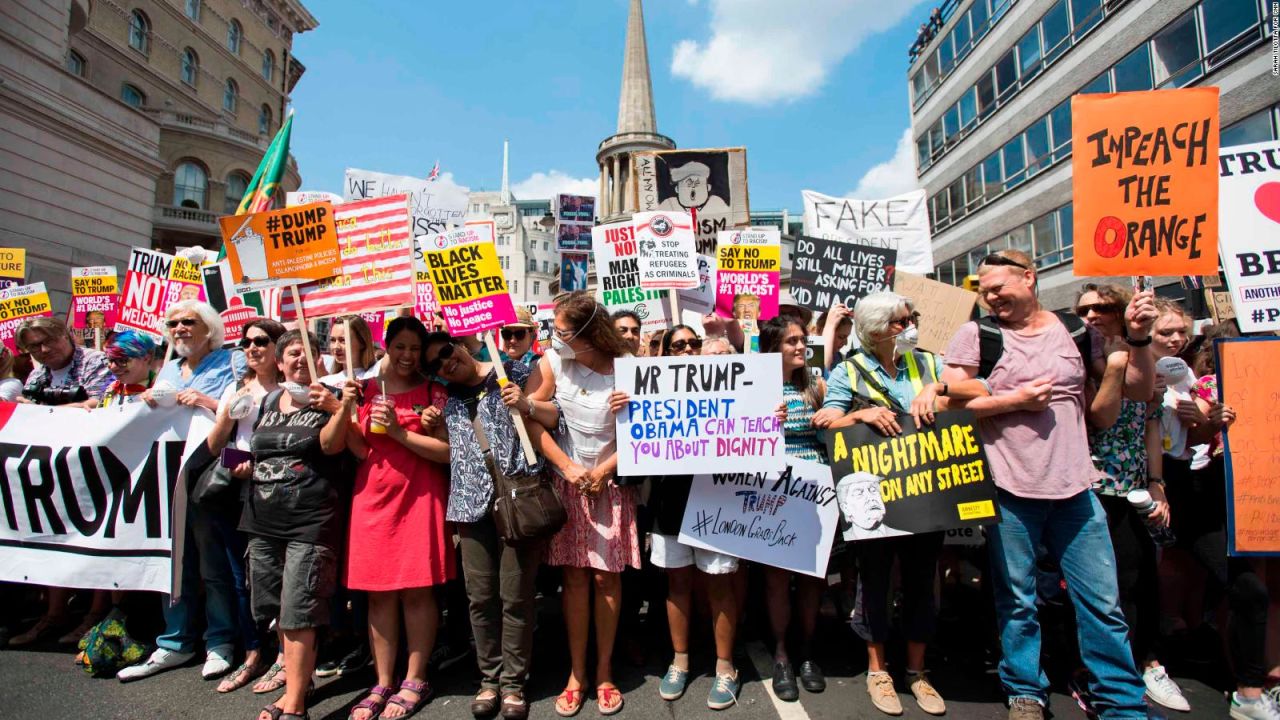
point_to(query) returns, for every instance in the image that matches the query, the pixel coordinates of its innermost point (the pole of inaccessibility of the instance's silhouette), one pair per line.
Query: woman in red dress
(398, 547)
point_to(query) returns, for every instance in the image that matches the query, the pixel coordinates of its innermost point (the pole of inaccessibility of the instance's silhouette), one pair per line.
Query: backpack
(107, 647)
(991, 341)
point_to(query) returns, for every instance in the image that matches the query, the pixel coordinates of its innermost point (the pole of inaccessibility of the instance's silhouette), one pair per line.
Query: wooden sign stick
(306, 337)
(516, 418)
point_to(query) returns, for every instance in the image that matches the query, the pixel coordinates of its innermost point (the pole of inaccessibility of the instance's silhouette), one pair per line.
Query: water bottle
(1144, 506)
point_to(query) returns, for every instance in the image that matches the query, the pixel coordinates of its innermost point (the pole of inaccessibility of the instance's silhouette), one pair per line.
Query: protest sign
(236, 310)
(748, 266)
(1247, 382)
(618, 276)
(943, 308)
(575, 215)
(573, 238)
(13, 267)
(435, 206)
(545, 315)
(826, 272)
(282, 247)
(926, 479)
(1248, 228)
(667, 256)
(700, 300)
(95, 296)
(703, 414)
(306, 197)
(86, 496)
(709, 184)
(1144, 182)
(186, 281)
(146, 292)
(377, 263)
(573, 271)
(899, 223)
(815, 356)
(785, 518)
(468, 281)
(19, 303)
(1221, 307)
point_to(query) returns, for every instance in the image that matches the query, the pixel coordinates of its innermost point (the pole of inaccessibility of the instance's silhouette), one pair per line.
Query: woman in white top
(10, 387)
(599, 539)
(353, 329)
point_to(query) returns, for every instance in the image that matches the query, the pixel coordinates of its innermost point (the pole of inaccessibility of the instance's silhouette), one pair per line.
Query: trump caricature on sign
(858, 495)
(692, 185)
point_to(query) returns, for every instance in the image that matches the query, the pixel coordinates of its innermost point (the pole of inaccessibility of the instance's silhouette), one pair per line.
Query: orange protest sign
(1248, 384)
(1144, 169)
(282, 247)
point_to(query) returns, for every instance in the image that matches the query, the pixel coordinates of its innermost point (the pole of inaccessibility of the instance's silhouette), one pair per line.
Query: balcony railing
(219, 128)
(194, 220)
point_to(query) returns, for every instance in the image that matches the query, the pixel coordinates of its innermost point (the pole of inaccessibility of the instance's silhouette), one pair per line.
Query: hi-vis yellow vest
(922, 369)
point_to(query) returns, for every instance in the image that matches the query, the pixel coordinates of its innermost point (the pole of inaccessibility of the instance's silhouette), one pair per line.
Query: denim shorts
(291, 581)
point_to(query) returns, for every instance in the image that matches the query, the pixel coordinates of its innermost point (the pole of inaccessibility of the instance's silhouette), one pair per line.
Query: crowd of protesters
(362, 496)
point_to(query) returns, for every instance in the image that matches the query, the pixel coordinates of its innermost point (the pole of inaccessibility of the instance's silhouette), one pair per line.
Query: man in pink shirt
(1033, 428)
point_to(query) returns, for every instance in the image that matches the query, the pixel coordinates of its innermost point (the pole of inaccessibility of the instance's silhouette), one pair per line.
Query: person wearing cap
(518, 337)
(787, 305)
(692, 184)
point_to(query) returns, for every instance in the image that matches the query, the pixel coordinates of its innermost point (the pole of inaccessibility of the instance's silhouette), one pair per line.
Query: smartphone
(232, 457)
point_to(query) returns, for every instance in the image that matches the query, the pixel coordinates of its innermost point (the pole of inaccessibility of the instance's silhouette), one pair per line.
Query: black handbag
(215, 488)
(526, 507)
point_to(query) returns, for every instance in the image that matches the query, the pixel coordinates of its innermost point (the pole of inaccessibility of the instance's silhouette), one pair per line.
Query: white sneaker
(217, 661)
(159, 661)
(1163, 690)
(1264, 708)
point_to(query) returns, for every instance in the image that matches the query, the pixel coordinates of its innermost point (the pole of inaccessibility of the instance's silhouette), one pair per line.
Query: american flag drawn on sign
(377, 262)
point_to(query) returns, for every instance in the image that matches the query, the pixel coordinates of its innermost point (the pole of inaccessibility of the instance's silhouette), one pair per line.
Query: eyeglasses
(994, 259)
(912, 319)
(259, 341)
(433, 366)
(114, 361)
(1099, 308)
(624, 330)
(681, 345)
(517, 334)
(184, 322)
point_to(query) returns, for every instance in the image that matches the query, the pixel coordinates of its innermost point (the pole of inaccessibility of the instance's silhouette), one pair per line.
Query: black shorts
(291, 581)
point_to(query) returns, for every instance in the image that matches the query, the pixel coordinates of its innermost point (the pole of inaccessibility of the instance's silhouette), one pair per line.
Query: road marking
(763, 663)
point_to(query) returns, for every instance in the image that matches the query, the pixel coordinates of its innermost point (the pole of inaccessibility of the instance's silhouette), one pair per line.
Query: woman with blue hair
(129, 355)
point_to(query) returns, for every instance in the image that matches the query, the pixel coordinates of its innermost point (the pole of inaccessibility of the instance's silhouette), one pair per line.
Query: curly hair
(592, 323)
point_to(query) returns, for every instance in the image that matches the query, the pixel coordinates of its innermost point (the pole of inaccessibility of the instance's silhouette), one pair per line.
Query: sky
(816, 90)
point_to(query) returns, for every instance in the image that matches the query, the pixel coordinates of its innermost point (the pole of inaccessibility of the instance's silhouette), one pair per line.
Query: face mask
(907, 340)
(563, 349)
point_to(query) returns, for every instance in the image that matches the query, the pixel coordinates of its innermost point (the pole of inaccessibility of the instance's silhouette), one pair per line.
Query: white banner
(785, 519)
(899, 223)
(702, 414)
(1249, 232)
(436, 205)
(87, 493)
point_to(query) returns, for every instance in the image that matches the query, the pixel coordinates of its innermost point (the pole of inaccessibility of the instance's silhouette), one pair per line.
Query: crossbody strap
(874, 383)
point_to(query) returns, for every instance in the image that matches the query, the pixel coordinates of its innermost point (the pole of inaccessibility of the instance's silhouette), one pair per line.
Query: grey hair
(873, 313)
(714, 339)
(207, 315)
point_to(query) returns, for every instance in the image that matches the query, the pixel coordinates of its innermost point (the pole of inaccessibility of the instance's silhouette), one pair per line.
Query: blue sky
(815, 89)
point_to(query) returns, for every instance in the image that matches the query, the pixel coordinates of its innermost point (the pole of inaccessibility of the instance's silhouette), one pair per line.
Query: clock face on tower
(502, 220)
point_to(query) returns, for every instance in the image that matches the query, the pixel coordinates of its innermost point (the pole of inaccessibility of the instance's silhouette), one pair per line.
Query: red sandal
(374, 702)
(421, 687)
(573, 702)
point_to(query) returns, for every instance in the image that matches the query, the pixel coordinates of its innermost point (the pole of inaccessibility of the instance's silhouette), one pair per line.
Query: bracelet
(945, 389)
(529, 413)
(1155, 481)
(1136, 343)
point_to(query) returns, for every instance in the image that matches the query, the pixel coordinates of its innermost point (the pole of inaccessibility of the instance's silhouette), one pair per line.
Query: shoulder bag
(525, 506)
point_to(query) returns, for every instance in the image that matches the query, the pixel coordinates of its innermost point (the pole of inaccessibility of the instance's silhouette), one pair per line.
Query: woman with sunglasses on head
(354, 330)
(518, 337)
(599, 539)
(398, 546)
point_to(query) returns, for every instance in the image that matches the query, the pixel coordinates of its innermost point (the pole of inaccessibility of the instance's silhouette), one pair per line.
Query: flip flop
(573, 702)
(275, 679)
(605, 695)
(421, 687)
(240, 677)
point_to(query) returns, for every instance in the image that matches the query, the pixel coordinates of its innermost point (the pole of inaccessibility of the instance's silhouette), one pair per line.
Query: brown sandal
(240, 677)
(485, 703)
(273, 679)
(514, 706)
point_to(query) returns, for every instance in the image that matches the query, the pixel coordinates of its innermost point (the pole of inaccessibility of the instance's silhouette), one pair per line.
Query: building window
(268, 65)
(139, 32)
(537, 287)
(237, 184)
(75, 63)
(264, 120)
(190, 67)
(1227, 25)
(1084, 15)
(1253, 129)
(189, 185)
(132, 96)
(515, 287)
(533, 265)
(1133, 72)
(230, 96)
(1175, 52)
(193, 10)
(234, 31)
(1056, 29)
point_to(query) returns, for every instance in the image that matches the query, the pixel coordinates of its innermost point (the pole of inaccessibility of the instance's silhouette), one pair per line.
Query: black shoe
(784, 682)
(811, 677)
(447, 654)
(356, 660)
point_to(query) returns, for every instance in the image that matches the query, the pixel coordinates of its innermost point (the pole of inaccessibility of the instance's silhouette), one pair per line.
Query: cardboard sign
(95, 297)
(19, 303)
(377, 263)
(711, 413)
(710, 185)
(748, 268)
(785, 519)
(1221, 307)
(700, 300)
(935, 478)
(282, 247)
(1247, 381)
(618, 276)
(1144, 182)
(1249, 232)
(435, 205)
(468, 281)
(826, 272)
(898, 223)
(573, 271)
(668, 259)
(13, 267)
(943, 308)
(815, 356)
(148, 291)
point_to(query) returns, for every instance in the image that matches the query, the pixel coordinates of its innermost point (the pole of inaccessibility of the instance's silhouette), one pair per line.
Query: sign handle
(674, 296)
(521, 430)
(351, 367)
(97, 338)
(306, 336)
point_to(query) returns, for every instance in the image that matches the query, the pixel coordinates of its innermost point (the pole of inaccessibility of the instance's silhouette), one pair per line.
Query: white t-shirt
(337, 379)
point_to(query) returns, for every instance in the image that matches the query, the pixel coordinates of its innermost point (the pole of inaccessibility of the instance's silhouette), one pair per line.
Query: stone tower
(637, 126)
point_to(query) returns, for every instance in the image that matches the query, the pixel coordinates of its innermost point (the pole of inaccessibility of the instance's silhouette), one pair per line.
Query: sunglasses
(433, 366)
(259, 341)
(994, 259)
(912, 319)
(184, 322)
(1099, 308)
(681, 345)
(517, 334)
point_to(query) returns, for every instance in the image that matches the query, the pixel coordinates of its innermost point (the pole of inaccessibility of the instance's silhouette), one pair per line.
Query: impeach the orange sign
(1249, 385)
(1145, 195)
(293, 245)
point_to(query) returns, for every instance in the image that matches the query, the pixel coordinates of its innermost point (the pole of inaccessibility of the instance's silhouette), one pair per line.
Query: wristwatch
(1136, 343)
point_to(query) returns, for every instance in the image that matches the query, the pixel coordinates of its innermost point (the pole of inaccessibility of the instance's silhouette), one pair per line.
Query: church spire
(635, 105)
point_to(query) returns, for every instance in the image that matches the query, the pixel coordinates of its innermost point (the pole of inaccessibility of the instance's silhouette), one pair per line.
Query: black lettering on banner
(826, 271)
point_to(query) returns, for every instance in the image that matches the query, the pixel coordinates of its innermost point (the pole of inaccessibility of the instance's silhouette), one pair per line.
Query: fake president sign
(468, 281)
(282, 247)
(1145, 182)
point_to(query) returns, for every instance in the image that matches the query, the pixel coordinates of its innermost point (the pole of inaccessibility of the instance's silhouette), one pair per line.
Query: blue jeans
(1075, 533)
(214, 553)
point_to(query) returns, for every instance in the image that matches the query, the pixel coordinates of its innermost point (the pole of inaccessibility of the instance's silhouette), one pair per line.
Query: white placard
(668, 256)
(900, 223)
(436, 205)
(1249, 232)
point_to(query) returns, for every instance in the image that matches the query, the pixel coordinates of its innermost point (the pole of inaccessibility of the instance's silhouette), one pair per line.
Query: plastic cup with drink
(384, 400)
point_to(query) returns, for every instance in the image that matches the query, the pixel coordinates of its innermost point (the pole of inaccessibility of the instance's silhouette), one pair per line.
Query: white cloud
(894, 176)
(544, 186)
(762, 51)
